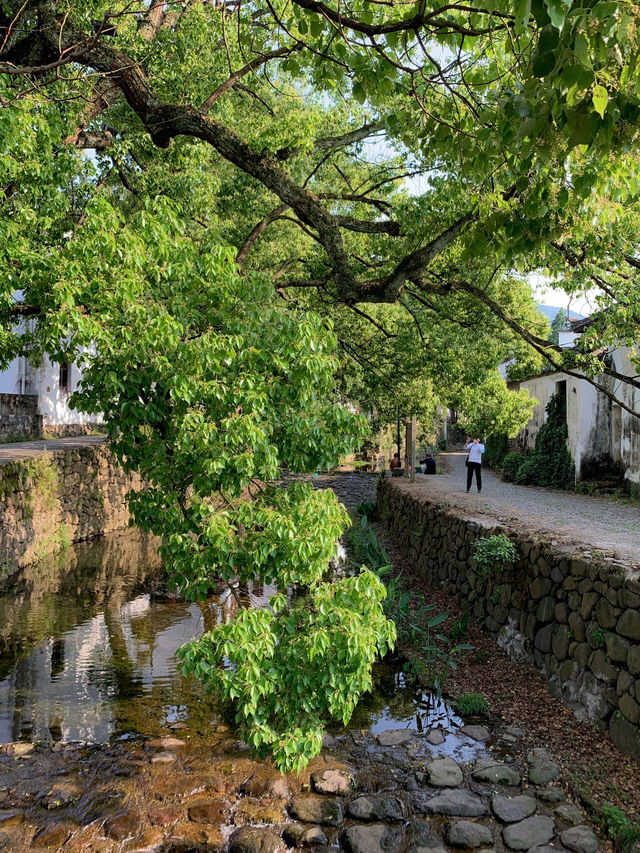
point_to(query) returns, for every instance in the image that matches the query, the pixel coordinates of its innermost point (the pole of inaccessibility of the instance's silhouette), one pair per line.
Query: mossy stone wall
(59, 497)
(571, 612)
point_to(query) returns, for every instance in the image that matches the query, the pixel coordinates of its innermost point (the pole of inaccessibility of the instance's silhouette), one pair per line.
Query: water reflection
(87, 652)
(88, 645)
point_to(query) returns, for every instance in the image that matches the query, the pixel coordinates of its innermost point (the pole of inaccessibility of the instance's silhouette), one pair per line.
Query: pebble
(569, 813)
(381, 807)
(456, 803)
(528, 833)
(375, 838)
(310, 808)
(580, 839)
(466, 833)
(488, 770)
(512, 809)
(436, 737)
(444, 773)
(332, 782)
(395, 737)
(478, 733)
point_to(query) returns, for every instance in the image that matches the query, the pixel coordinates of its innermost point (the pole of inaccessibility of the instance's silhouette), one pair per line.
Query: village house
(603, 438)
(34, 401)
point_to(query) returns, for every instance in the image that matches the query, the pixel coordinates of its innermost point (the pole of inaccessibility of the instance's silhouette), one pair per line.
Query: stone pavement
(29, 449)
(595, 523)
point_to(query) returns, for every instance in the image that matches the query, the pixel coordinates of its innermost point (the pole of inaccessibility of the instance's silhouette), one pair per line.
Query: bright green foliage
(550, 464)
(289, 667)
(624, 831)
(471, 705)
(493, 553)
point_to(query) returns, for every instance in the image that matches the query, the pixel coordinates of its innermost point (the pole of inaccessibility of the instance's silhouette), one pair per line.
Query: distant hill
(550, 312)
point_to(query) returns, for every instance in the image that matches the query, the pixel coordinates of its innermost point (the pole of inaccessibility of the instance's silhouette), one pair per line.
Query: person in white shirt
(474, 462)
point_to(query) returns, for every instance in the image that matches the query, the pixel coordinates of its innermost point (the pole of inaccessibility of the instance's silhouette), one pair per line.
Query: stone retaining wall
(60, 497)
(573, 613)
(19, 416)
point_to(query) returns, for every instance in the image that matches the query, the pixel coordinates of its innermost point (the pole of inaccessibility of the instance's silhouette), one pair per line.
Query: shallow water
(88, 643)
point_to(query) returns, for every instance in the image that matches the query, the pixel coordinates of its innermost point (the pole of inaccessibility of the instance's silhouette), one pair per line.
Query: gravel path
(592, 522)
(29, 449)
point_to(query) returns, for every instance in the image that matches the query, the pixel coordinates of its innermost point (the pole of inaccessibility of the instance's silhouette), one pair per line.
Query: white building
(34, 401)
(603, 438)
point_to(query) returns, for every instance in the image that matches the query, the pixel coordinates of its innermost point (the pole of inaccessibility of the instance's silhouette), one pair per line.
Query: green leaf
(600, 100)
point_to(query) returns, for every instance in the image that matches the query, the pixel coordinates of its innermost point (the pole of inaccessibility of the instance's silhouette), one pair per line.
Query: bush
(471, 705)
(511, 465)
(370, 510)
(550, 464)
(624, 832)
(495, 449)
(493, 553)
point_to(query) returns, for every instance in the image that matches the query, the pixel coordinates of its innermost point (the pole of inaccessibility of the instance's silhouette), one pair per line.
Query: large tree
(212, 199)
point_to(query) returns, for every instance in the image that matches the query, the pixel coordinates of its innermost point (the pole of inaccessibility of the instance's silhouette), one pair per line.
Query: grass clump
(471, 705)
(624, 832)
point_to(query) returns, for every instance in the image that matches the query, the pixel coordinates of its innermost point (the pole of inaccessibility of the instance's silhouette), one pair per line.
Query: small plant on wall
(491, 556)
(493, 553)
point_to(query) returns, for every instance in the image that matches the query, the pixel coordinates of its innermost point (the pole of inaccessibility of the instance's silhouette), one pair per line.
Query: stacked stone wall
(19, 416)
(573, 613)
(57, 498)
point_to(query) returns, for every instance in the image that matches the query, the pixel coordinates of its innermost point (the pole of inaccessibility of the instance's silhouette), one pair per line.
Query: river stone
(466, 833)
(530, 832)
(489, 770)
(166, 743)
(332, 781)
(13, 818)
(569, 813)
(420, 839)
(52, 836)
(122, 825)
(395, 737)
(165, 757)
(316, 809)
(479, 733)
(251, 839)
(267, 782)
(60, 796)
(444, 773)
(376, 838)
(209, 811)
(263, 810)
(551, 795)
(542, 768)
(436, 737)
(456, 803)
(581, 839)
(512, 809)
(312, 837)
(381, 807)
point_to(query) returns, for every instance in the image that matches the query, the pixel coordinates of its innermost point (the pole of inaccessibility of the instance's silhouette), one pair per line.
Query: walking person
(474, 462)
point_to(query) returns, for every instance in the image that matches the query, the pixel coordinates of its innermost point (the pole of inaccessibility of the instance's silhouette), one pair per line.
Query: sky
(546, 294)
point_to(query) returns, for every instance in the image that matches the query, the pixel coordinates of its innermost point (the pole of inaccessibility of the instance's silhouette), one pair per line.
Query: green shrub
(511, 465)
(493, 553)
(471, 705)
(624, 832)
(370, 510)
(550, 464)
(496, 448)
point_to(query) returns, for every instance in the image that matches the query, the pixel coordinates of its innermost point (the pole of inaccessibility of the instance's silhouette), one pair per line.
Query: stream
(106, 748)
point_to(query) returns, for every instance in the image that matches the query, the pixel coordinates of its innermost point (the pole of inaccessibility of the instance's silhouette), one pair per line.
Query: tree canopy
(249, 213)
